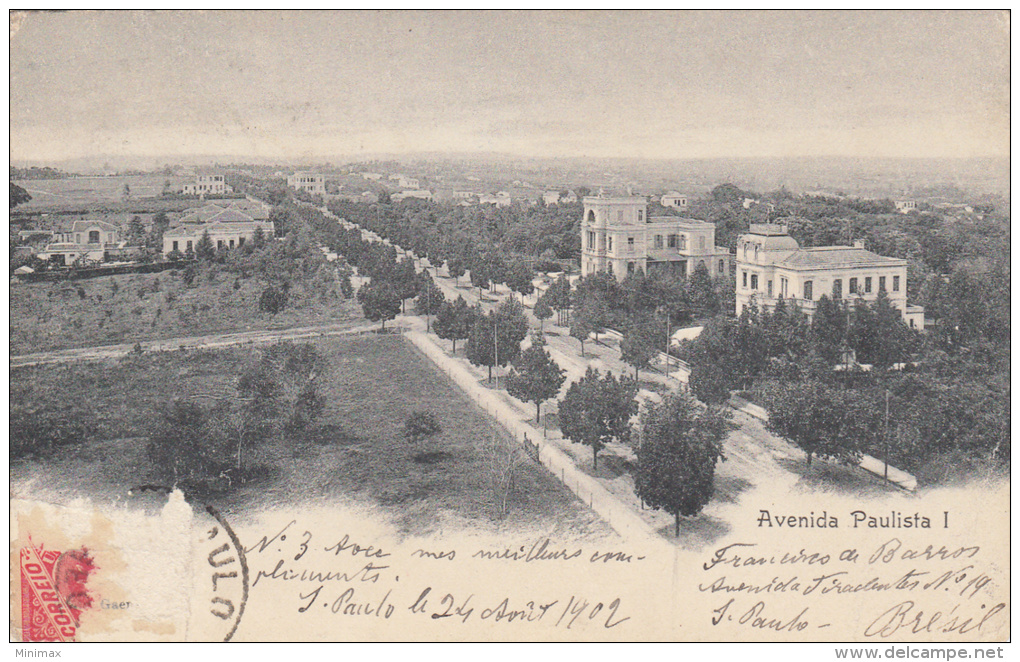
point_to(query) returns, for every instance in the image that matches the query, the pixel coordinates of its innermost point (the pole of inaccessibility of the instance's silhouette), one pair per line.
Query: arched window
(591, 216)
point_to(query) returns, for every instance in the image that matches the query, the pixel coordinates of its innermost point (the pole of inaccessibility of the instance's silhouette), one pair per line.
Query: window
(867, 284)
(591, 241)
(630, 267)
(619, 216)
(671, 241)
(768, 288)
(609, 244)
(683, 242)
(881, 283)
(630, 243)
(683, 268)
(807, 290)
(745, 280)
(77, 238)
(722, 267)
(754, 281)
(658, 241)
(895, 283)
(175, 246)
(641, 217)
(837, 289)
(240, 241)
(189, 245)
(93, 236)
(231, 243)
(219, 244)
(853, 286)
(783, 288)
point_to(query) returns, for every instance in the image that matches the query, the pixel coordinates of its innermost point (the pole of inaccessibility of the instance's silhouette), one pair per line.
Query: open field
(88, 190)
(117, 309)
(359, 457)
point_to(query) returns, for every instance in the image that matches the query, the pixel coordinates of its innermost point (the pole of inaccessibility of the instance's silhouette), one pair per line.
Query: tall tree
(204, 249)
(542, 311)
(559, 296)
(679, 448)
(495, 340)
(642, 343)
(454, 321)
(596, 411)
(379, 301)
(430, 298)
(535, 377)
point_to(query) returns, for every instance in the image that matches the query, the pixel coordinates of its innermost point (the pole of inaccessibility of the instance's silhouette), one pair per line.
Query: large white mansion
(618, 237)
(771, 266)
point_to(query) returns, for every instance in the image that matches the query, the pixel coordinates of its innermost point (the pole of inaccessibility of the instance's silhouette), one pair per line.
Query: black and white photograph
(499, 326)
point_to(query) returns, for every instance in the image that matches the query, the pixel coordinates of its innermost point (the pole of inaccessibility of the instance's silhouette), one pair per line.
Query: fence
(615, 512)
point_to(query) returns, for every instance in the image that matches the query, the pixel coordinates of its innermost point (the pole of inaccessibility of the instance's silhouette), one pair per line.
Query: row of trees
(680, 441)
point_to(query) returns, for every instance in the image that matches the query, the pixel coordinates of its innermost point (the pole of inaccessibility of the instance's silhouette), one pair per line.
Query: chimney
(858, 243)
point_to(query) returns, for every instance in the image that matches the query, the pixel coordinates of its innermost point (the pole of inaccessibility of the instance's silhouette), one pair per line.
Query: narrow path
(190, 342)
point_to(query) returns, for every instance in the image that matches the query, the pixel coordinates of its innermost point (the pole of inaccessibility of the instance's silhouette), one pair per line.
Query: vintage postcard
(511, 326)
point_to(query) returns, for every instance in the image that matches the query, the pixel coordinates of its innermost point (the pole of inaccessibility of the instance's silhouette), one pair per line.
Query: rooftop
(831, 257)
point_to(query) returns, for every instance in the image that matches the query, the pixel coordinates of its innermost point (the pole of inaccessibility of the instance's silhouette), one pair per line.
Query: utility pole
(495, 347)
(885, 436)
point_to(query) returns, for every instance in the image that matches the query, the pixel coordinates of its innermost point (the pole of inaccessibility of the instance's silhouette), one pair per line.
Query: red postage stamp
(53, 592)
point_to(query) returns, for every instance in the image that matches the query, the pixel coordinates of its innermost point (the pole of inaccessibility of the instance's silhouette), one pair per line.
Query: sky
(318, 85)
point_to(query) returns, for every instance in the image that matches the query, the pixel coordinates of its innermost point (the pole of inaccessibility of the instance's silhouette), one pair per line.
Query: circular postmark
(223, 578)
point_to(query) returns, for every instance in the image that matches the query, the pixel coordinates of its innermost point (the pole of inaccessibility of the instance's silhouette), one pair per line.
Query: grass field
(89, 190)
(371, 384)
(117, 309)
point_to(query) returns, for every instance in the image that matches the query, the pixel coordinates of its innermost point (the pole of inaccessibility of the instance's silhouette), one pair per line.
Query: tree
(512, 318)
(590, 317)
(480, 275)
(454, 321)
(19, 196)
(519, 277)
(596, 411)
(709, 384)
(580, 329)
(559, 296)
(542, 311)
(136, 231)
(183, 446)
(455, 267)
(430, 298)
(379, 301)
(702, 292)
(822, 420)
(421, 425)
(258, 238)
(272, 300)
(677, 454)
(494, 341)
(641, 344)
(535, 377)
(404, 280)
(204, 249)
